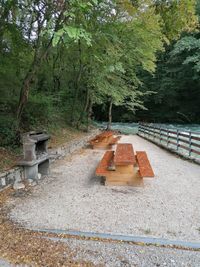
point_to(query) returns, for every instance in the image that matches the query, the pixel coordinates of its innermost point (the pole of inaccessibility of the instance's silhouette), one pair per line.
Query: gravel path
(128, 255)
(105, 254)
(73, 198)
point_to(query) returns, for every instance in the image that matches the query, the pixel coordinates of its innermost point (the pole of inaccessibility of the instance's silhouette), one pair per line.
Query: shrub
(8, 131)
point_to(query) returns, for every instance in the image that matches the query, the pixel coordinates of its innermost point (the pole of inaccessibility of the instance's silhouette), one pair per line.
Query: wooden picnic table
(124, 172)
(104, 140)
(122, 167)
(124, 155)
(105, 133)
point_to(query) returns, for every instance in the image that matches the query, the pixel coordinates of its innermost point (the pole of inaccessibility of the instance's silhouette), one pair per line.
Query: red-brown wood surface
(103, 165)
(145, 168)
(100, 137)
(124, 155)
(115, 140)
(104, 134)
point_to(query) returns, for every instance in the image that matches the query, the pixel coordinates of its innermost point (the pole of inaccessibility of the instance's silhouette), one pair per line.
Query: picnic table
(104, 140)
(124, 167)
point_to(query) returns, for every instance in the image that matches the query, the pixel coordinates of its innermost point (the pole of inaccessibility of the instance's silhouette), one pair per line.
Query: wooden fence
(186, 143)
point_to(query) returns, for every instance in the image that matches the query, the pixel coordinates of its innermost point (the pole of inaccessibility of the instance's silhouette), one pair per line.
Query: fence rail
(186, 143)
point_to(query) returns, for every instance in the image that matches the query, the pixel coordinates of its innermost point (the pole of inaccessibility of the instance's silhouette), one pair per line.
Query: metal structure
(185, 143)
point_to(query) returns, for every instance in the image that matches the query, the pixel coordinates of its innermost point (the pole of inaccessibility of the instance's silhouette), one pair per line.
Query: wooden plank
(124, 175)
(195, 144)
(114, 140)
(195, 151)
(102, 168)
(184, 147)
(184, 135)
(195, 138)
(145, 168)
(172, 132)
(124, 155)
(184, 141)
(103, 143)
(105, 134)
(100, 137)
(171, 142)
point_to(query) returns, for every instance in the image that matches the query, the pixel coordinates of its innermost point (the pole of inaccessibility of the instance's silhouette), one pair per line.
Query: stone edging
(64, 150)
(11, 177)
(15, 176)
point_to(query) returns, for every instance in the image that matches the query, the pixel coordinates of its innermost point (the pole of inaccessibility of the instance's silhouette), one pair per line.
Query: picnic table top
(105, 134)
(124, 155)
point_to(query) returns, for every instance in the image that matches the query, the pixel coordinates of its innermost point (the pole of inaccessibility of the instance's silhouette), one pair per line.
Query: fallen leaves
(22, 246)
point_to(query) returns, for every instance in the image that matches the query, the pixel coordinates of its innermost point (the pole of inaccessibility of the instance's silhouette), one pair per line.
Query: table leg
(124, 175)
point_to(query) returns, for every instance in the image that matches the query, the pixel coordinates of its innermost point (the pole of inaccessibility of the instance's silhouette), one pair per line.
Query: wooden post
(160, 135)
(190, 143)
(139, 128)
(177, 140)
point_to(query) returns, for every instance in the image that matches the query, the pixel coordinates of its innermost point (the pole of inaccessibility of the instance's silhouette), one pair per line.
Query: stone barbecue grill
(36, 158)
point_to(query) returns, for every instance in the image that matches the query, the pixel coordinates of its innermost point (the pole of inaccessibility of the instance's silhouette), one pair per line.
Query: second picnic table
(104, 140)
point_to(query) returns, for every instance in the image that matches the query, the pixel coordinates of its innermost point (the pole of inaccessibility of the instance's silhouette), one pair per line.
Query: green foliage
(8, 128)
(60, 58)
(39, 111)
(188, 50)
(176, 83)
(177, 16)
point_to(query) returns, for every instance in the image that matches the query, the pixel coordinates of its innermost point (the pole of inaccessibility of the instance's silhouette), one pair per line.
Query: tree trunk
(38, 58)
(89, 114)
(24, 92)
(109, 115)
(29, 79)
(87, 100)
(77, 84)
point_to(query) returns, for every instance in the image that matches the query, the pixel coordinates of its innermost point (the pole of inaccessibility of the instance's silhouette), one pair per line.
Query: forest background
(72, 62)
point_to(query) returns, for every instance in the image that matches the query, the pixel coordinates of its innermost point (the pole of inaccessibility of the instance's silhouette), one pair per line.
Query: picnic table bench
(104, 140)
(123, 167)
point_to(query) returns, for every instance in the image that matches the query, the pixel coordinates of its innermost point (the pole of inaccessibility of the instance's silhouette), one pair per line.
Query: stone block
(18, 186)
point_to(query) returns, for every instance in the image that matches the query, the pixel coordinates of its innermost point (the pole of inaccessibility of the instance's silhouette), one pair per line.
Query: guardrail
(185, 143)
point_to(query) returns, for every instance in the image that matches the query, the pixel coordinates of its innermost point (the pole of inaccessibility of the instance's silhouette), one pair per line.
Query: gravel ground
(4, 263)
(74, 199)
(128, 255)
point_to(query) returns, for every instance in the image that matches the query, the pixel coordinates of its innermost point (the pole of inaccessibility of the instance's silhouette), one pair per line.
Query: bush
(8, 131)
(38, 111)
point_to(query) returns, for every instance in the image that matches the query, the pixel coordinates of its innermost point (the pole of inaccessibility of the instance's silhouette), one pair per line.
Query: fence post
(167, 137)
(160, 135)
(190, 143)
(177, 140)
(149, 132)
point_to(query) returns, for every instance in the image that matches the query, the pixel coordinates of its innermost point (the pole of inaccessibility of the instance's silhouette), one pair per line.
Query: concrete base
(43, 167)
(31, 172)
